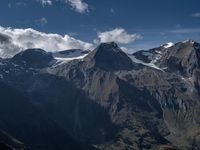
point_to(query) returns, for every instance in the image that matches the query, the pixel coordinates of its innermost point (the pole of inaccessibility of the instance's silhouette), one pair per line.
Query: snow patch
(147, 54)
(63, 60)
(156, 58)
(168, 45)
(1, 64)
(152, 65)
(76, 54)
(69, 58)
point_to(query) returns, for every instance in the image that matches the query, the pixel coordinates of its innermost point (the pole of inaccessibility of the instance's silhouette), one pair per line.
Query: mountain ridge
(106, 100)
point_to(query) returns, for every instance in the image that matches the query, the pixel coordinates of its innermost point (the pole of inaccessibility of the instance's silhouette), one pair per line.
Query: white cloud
(13, 41)
(45, 2)
(112, 11)
(118, 35)
(78, 5)
(42, 21)
(197, 15)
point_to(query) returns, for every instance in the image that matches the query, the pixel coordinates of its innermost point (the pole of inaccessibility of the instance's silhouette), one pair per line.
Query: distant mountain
(104, 99)
(182, 53)
(36, 58)
(182, 58)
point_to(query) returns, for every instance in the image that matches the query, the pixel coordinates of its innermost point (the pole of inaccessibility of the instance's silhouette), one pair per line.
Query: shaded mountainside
(110, 57)
(106, 99)
(20, 119)
(36, 58)
(9, 143)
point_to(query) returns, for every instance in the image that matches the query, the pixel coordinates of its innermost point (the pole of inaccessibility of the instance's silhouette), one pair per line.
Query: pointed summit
(110, 56)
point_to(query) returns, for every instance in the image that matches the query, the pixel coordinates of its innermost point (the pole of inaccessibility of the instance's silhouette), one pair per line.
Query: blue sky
(145, 23)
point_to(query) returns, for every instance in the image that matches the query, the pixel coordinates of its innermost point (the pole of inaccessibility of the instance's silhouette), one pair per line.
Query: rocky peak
(190, 41)
(110, 56)
(183, 57)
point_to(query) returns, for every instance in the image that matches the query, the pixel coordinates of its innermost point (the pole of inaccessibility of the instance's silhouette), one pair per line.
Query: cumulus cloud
(197, 15)
(45, 2)
(118, 35)
(78, 5)
(13, 41)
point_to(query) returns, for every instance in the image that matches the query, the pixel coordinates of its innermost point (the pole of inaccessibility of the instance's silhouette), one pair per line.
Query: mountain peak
(110, 56)
(33, 57)
(33, 51)
(109, 46)
(113, 44)
(182, 57)
(190, 41)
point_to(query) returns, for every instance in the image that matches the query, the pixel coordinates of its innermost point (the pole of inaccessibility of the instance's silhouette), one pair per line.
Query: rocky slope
(109, 99)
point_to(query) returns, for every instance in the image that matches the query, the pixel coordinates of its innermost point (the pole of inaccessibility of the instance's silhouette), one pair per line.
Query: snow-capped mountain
(175, 57)
(102, 99)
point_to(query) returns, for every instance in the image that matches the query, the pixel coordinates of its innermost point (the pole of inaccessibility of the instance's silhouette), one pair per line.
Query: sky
(66, 24)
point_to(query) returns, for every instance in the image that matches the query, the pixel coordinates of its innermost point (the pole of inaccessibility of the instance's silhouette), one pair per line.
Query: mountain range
(104, 99)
